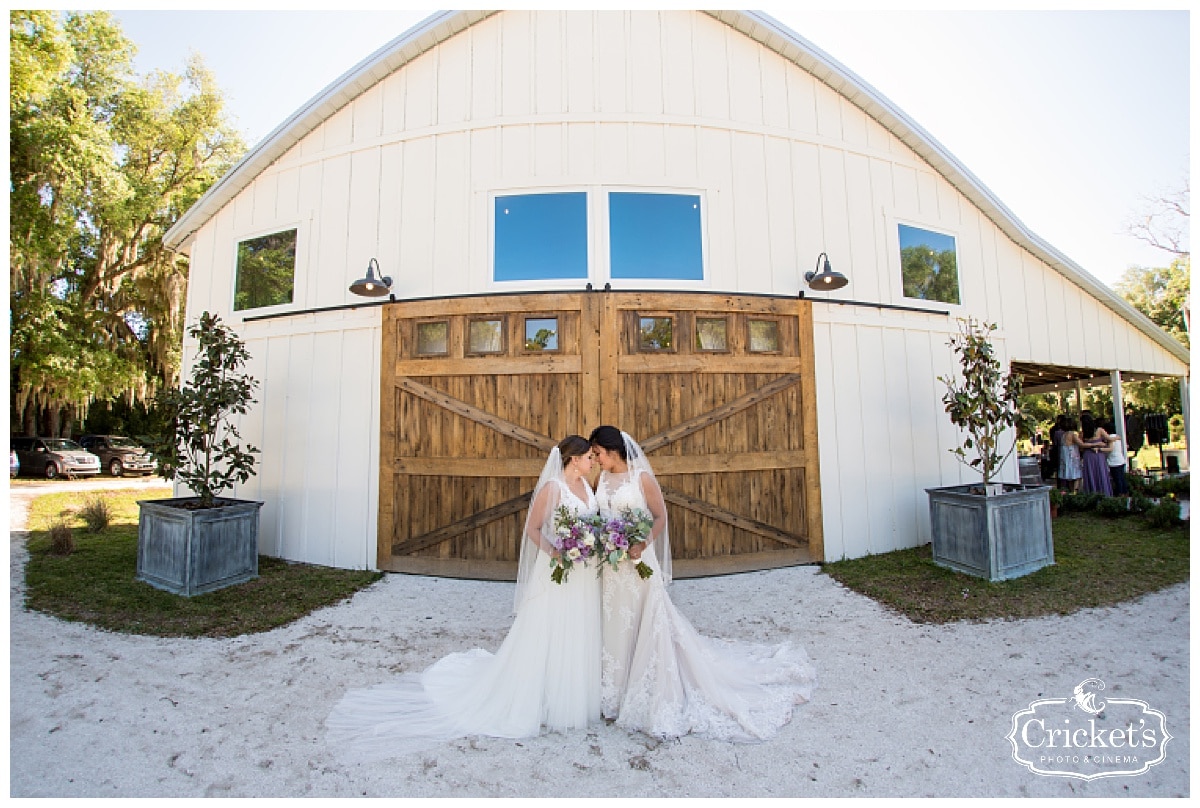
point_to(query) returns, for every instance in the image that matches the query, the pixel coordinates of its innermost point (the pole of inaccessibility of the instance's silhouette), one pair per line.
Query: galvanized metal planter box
(997, 537)
(189, 552)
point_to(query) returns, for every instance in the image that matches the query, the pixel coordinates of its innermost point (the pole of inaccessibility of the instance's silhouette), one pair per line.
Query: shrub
(62, 539)
(1056, 497)
(1140, 504)
(96, 515)
(1081, 502)
(1164, 514)
(1137, 484)
(1179, 486)
(1113, 507)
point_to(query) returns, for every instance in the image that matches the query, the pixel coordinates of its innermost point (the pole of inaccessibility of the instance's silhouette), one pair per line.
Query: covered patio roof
(1041, 378)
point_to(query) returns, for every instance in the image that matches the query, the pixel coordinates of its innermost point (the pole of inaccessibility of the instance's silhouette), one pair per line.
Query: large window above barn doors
(928, 265)
(266, 271)
(540, 237)
(655, 236)
(597, 234)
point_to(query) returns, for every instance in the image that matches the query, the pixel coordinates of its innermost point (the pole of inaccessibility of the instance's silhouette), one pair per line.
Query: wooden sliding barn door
(476, 392)
(718, 389)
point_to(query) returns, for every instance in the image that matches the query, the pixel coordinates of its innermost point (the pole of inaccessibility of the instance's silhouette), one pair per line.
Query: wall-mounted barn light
(372, 286)
(824, 279)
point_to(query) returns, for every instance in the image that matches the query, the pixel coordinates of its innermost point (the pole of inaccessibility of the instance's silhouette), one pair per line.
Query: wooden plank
(468, 466)
(462, 526)
(498, 304)
(705, 363)
(724, 411)
(734, 519)
(725, 463)
(809, 434)
(387, 438)
(588, 342)
(488, 365)
(610, 349)
(473, 413)
(704, 303)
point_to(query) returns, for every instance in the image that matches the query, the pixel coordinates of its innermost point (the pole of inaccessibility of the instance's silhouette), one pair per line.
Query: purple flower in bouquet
(576, 540)
(621, 533)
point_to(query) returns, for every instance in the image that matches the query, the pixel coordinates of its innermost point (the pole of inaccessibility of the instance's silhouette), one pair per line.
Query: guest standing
(1070, 467)
(1096, 478)
(1116, 462)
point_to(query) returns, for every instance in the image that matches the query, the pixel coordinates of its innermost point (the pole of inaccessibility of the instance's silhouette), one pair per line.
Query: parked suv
(119, 455)
(53, 457)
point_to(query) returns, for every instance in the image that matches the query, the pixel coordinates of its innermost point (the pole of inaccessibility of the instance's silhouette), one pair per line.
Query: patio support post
(1119, 408)
(1187, 421)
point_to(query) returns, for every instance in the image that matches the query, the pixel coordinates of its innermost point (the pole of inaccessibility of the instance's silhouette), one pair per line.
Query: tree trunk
(29, 418)
(53, 421)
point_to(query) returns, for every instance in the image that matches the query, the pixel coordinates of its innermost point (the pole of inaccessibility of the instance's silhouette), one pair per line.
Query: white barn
(783, 154)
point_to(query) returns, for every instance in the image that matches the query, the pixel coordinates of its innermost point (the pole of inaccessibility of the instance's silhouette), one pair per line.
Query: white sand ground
(901, 709)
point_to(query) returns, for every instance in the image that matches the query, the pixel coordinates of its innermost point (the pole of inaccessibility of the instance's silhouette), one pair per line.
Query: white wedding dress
(661, 677)
(546, 673)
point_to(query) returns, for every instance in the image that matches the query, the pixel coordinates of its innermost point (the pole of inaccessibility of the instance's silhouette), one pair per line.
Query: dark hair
(610, 438)
(573, 446)
(1070, 424)
(1089, 423)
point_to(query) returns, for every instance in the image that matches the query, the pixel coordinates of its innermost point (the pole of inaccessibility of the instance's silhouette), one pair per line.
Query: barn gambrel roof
(756, 25)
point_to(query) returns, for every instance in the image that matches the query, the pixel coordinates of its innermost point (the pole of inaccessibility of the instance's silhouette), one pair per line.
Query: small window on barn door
(656, 333)
(763, 336)
(433, 338)
(712, 334)
(485, 336)
(928, 265)
(541, 334)
(266, 271)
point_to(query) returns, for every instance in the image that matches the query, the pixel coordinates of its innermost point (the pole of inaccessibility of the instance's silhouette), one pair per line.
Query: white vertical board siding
(885, 436)
(316, 421)
(544, 100)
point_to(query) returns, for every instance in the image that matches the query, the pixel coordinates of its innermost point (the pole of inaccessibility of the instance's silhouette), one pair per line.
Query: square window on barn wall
(541, 237)
(266, 271)
(929, 265)
(655, 236)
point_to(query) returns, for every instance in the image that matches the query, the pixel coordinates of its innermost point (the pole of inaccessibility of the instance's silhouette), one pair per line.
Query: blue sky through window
(541, 237)
(655, 236)
(916, 237)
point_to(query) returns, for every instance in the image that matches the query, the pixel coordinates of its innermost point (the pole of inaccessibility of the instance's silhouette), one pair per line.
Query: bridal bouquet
(619, 534)
(576, 540)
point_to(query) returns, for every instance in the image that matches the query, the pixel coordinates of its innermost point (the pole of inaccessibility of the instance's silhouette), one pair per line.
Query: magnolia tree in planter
(984, 402)
(191, 545)
(995, 531)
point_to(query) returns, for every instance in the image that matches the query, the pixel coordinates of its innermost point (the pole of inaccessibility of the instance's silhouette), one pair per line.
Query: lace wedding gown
(545, 673)
(661, 677)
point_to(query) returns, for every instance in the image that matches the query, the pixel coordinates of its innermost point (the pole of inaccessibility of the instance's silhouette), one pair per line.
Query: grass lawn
(1098, 562)
(96, 585)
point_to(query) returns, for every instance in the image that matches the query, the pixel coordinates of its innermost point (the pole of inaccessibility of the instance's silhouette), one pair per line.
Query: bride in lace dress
(658, 674)
(546, 673)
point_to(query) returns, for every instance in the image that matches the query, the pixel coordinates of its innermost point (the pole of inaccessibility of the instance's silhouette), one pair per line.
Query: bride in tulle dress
(658, 674)
(546, 673)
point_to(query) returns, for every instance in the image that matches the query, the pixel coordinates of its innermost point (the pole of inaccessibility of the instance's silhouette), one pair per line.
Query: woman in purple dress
(1095, 458)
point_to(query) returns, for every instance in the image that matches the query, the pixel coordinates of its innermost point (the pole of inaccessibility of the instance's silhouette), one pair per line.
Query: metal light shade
(826, 280)
(372, 286)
